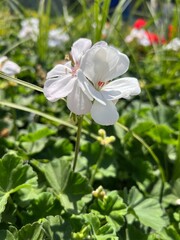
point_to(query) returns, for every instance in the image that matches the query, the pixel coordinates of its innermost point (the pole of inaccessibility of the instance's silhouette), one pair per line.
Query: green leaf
(71, 187)
(34, 141)
(143, 127)
(14, 175)
(30, 232)
(57, 228)
(58, 146)
(92, 225)
(134, 233)
(170, 233)
(141, 140)
(6, 235)
(43, 205)
(36, 132)
(3, 201)
(176, 188)
(148, 211)
(112, 208)
(150, 214)
(162, 134)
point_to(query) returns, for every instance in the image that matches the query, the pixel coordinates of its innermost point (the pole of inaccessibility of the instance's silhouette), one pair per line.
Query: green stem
(13, 111)
(141, 140)
(99, 161)
(79, 127)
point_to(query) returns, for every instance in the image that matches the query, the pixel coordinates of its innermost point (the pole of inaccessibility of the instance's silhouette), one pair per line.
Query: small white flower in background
(140, 35)
(57, 38)
(178, 201)
(8, 67)
(174, 44)
(99, 66)
(69, 19)
(30, 29)
(62, 82)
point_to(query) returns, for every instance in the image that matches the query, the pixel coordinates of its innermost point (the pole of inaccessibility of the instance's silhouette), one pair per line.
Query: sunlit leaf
(147, 210)
(3, 201)
(43, 205)
(71, 187)
(162, 134)
(30, 232)
(35, 139)
(36, 132)
(14, 175)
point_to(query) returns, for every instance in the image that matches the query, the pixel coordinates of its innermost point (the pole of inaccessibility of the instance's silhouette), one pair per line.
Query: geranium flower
(138, 32)
(141, 35)
(139, 23)
(57, 38)
(8, 67)
(30, 29)
(62, 82)
(174, 44)
(99, 67)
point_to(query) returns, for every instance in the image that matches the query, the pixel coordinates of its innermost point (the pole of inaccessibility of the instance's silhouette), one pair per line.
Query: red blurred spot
(140, 23)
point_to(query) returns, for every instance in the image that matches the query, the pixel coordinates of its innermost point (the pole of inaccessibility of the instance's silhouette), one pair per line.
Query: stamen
(101, 84)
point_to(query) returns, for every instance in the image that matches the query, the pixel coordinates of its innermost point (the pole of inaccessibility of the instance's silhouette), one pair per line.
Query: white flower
(99, 66)
(178, 201)
(30, 29)
(8, 67)
(57, 38)
(62, 81)
(174, 44)
(140, 35)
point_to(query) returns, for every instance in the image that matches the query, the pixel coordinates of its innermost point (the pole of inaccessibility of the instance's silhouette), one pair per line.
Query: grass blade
(16, 80)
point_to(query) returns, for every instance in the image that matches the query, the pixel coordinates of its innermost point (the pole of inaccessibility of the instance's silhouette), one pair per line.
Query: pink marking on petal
(101, 84)
(74, 69)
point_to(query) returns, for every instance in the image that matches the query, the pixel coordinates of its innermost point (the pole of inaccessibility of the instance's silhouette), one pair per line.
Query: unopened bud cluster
(103, 139)
(99, 193)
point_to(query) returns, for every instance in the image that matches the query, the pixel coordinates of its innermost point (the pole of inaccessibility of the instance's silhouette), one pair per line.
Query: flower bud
(102, 133)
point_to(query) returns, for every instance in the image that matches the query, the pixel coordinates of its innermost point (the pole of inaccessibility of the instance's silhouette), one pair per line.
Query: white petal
(55, 89)
(78, 102)
(100, 43)
(3, 59)
(79, 48)
(104, 115)
(59, 83)
(121, 88)
(89, 89)
(59, 70)
(103, 63)
(81, 80)
(10, 68)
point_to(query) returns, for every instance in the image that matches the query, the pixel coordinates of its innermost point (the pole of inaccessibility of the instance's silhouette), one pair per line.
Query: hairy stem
(99, 161)
(79, 126)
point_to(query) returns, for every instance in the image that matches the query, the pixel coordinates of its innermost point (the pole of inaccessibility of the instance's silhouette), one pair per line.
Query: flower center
(101, 84)
(74, 69)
